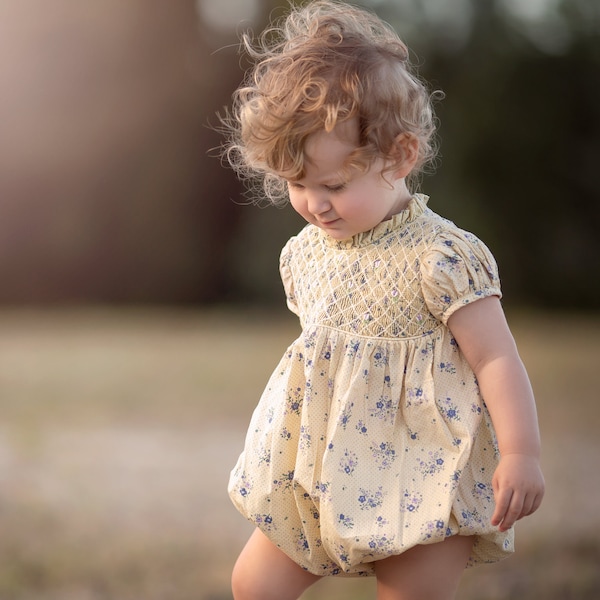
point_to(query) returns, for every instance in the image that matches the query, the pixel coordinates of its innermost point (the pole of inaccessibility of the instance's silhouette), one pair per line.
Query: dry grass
(119, 428)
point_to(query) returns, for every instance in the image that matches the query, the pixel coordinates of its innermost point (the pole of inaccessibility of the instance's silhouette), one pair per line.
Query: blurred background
(141, 309)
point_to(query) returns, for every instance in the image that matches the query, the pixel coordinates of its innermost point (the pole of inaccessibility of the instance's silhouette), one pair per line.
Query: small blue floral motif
(361, 428)
(342, 555)
(381, 521)
(449, 409)
(348, 462)
(331, 568)
(294, 401)
(380, 357)
(310, 339)
(368, 499)
(285, 481)
(447, 367)
(345, 415)
(475, 408)
(270, 414)
(384, 455)
(305, 438)
(411, 501)
(471, 519)
(264, 522)
(302, 542)
(244, 485)
(346, 521)
(322, 491)
(483, 491)
(264, 456)
(384, 409)
(381, 544)
(414, 397)
(455, 479)
(434, 529)
(431, 466)
(427, 349)
(352, 348)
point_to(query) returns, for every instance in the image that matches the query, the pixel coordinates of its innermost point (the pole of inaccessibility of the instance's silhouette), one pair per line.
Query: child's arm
(484, 338)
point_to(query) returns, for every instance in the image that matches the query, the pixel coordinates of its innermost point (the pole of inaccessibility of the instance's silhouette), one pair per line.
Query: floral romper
(371, 436)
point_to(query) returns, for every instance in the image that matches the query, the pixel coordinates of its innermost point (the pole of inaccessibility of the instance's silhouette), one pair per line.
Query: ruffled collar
(416, 207)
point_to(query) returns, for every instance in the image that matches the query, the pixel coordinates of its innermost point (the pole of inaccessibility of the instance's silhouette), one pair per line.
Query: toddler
(398, 436)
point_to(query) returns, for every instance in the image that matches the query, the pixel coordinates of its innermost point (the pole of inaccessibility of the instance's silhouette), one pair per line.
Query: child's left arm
(484, 338)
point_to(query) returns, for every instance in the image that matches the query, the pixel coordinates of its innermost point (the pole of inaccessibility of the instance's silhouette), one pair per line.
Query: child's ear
(405, 153)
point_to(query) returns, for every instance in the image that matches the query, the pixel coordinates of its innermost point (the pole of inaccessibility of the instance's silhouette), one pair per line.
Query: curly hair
(324, 64)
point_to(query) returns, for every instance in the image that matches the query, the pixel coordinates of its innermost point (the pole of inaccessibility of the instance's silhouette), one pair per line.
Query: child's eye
(295, 185)
(336, 188)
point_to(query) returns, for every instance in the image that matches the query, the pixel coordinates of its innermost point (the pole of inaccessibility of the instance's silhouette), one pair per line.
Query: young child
(398, 435)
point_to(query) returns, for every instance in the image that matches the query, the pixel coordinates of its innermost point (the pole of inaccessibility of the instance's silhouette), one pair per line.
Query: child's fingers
(503, 499)
(512, 506)
(534, 501)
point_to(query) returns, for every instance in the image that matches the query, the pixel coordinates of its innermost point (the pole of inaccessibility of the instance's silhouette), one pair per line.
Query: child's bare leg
(430, 572)
(264, 572)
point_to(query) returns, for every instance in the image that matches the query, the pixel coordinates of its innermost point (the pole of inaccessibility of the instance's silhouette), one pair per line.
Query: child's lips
(328, 223)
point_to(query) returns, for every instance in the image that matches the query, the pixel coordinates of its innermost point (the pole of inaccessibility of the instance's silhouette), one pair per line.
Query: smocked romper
(371, 435)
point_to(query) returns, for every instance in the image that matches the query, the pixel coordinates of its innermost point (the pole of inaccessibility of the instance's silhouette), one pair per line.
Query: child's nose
(318, 202)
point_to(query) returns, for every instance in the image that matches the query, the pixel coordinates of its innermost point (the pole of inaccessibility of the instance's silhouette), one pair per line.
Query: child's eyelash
(331, 188)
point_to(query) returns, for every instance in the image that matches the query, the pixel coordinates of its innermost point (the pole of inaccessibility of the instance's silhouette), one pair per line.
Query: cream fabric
(371, 435)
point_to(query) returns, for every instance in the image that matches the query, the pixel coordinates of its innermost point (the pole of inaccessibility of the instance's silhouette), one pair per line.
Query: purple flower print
(432, 465)
(264, 522)
(384, 455)
(414, 397)
(348, 462)
(385, 408)
(449, 409)
(368, 499)
(434, 529)
(411, 501)
(483, 491)
(294, 401)
(346, 521)
(361, 428)
(345, 415)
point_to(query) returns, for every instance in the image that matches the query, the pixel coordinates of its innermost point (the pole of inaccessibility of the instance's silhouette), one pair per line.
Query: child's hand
(518, 489)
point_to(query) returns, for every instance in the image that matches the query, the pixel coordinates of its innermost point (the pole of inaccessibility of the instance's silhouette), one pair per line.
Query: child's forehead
(323, 145)
(326, 153)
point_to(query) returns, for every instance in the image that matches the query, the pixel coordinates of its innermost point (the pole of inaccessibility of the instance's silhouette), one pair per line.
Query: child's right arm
(484, 338)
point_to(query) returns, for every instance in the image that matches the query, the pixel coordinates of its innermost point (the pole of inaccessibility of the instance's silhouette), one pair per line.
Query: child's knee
(246, 585)
(264, 572)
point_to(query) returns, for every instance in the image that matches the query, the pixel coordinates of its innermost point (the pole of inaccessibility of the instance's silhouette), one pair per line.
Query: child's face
(344, 205)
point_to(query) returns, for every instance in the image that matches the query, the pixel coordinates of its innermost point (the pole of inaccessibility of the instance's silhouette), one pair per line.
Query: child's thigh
(428, 572)
(264, 572)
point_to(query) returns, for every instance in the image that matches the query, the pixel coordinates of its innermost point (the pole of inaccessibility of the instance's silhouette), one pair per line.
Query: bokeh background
(141, 310)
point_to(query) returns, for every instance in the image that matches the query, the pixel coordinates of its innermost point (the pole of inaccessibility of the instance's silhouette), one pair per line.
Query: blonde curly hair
(323, 64)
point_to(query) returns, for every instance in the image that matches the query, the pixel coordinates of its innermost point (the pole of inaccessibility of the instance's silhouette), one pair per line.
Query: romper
(372, 436)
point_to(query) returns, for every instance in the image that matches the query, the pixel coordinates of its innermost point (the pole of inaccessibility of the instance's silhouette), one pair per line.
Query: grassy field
(118, 430)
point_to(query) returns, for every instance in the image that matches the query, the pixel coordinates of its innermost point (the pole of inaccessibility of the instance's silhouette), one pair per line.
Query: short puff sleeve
(285, 272)
(457, 269)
